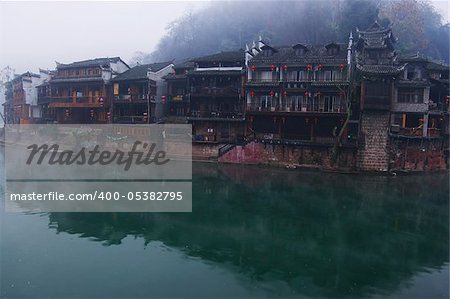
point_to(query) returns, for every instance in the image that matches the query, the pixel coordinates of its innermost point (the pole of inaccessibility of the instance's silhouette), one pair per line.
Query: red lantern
(285, 67)
(319, 67)
(285, 93)
(306, 94)
(252, 93)
(253, 67)
(272, 93)
(309, 67)
(318, 94)
(342, 66)
(272, 67)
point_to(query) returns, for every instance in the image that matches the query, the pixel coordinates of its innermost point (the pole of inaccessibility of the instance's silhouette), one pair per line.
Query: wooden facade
(80, 92)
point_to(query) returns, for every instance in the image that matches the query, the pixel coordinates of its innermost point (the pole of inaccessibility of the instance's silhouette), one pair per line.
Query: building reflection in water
(323, 234)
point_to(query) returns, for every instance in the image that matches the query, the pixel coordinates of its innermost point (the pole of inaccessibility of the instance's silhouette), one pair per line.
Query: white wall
(119, 67)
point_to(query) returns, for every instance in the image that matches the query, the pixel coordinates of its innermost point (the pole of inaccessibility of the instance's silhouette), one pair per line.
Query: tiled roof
(187, 64)
(215, 72)
(380, 69)
(230, 56)
(140, 71)
(314, 54)
(414, 83)
(90, 62)
(174, 76)
(437, 66)
(375, 37)
(81, 79)
(412, 58)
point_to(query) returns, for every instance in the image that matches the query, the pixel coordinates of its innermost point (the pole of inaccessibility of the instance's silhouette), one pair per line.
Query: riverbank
(416, 158)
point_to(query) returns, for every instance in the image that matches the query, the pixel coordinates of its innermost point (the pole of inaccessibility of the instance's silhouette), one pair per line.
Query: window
(267, 53)
(414, 96)
(266, 101)
(300, 51)
(295, 103)
(418, 73)
(266, 76)
(292, 76)
(304, 103)
(332, 50)
(336, 104)
(410, 74)
(328, 76)
(301, 76)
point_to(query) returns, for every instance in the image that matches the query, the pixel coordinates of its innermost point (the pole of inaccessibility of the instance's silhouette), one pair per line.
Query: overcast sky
(34, 35)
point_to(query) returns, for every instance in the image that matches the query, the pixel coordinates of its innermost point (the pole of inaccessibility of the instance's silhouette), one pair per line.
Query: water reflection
(324, 235)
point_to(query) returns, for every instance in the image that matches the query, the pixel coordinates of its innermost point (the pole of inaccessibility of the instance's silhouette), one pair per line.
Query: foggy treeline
(223, 26)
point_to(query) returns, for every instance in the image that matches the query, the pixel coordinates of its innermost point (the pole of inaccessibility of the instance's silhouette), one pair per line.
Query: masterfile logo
(143, 152)
(99, 167)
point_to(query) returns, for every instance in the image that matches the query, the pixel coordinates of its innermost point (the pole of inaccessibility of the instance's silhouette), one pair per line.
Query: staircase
(225, 149)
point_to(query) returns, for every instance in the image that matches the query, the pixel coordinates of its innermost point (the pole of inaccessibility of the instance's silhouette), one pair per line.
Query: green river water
(254, 232)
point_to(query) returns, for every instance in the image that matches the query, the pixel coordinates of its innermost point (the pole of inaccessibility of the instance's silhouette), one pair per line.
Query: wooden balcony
(76, 102)
(130, 120)
(131, 98)
(295, 110)
(216, 115)
(215, 91)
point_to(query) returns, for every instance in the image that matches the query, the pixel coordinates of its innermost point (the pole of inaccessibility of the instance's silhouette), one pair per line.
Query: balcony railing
(130, 120)
(73, 101)
(216, 114)
(259, 80)
(292, 80)
(131, 97)
(215, 90)
(416, 132)
(438, 107)
(297, 109)
(309, 141)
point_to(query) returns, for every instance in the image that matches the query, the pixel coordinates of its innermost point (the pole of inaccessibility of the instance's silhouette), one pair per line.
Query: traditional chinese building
(354, 106)
(403, 109)
(21, 98)
(177, 93)
(208, 92)
(419, 115)
(216, 103)
(140, 93)
(81, 92)
(297, 94)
